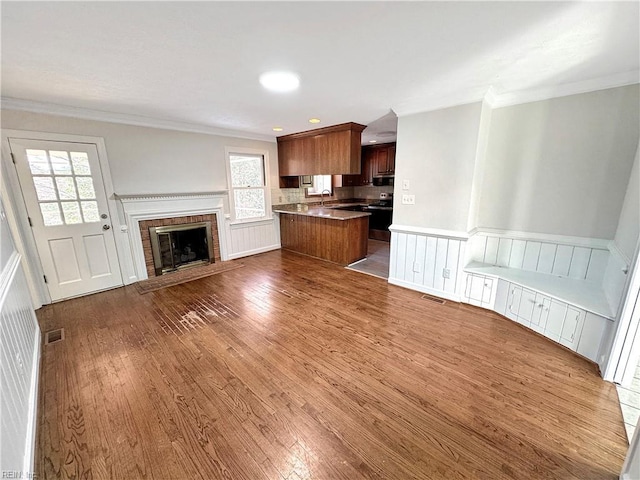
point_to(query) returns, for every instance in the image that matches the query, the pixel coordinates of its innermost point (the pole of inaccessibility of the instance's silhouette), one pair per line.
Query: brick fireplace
(145, 225)
(158, 210)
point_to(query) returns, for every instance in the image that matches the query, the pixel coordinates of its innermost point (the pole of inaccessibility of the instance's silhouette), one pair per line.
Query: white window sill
(237, 223)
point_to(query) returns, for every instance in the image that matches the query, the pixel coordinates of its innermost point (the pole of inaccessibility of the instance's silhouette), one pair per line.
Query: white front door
(64, 194)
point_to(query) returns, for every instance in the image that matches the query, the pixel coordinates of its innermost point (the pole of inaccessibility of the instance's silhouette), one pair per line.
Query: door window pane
(60, 162)
(66, 188)
(80, 162)
(90, 211)
(85, 188)
(51, 214)
(44, 188)
(249, 203)
(71, 213)
(38, 162)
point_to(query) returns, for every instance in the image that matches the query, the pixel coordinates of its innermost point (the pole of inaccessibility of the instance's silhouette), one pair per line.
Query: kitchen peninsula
(339, 236)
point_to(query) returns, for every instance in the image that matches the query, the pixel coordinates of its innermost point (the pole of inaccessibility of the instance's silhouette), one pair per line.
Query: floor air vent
(54, 336)
(431, 298)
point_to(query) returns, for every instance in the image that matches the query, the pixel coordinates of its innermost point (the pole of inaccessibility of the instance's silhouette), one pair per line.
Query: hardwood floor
(295, 368)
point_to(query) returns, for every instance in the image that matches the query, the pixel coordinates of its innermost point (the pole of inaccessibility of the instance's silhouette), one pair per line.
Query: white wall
(151, 160)
(436, 153)
(628, 231)
(560, 166)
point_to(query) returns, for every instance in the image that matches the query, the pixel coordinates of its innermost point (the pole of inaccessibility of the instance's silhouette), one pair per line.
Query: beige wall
(628, 231)
(151, 160)
(560, 166)
(436, 153)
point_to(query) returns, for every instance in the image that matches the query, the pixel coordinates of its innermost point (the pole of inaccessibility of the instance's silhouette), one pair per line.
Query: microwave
(383, 181)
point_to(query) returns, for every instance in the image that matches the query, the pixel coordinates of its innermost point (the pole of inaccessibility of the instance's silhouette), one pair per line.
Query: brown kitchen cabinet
(324, 151)
(339, 241)
(385, 159)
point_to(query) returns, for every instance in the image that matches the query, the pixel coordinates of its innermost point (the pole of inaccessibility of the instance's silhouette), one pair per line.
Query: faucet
(322, 196)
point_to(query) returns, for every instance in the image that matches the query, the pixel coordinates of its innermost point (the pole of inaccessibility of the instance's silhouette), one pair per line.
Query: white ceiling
(198, 63)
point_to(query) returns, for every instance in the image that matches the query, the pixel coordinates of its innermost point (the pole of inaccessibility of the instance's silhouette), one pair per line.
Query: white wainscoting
(252, 238)
(573, 257)
(20, 358)
(419, 257)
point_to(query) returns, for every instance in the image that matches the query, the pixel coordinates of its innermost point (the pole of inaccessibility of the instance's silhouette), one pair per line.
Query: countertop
(328, 211)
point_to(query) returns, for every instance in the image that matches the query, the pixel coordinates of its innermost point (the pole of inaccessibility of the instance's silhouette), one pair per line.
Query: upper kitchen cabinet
(385, 159)
(324, 151)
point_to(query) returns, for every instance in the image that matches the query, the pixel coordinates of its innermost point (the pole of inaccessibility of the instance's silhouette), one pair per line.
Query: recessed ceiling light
(277, 129)
(314, 120)
(372, 141)
(279, 81)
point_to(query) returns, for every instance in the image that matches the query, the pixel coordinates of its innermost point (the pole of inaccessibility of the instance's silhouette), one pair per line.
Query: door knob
(104, 215)
(106, 227)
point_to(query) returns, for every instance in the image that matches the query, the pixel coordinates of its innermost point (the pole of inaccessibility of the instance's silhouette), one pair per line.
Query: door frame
(17, 215)
(625, 350)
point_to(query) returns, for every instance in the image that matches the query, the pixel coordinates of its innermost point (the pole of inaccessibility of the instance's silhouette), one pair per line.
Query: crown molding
(8, 103)
(497, 100)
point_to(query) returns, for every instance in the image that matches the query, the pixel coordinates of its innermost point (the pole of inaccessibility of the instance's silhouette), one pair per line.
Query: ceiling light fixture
(372, 141)
(280, 81)
(314, 120)
(277, 129)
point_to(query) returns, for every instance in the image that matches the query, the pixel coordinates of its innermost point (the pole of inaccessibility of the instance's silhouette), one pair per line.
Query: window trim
(267, 184)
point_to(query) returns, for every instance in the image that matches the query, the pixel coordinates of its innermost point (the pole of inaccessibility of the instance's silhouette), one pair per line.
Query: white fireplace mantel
(136, 208)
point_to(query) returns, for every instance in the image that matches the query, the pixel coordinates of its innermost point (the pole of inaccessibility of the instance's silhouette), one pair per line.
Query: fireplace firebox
(175, 247)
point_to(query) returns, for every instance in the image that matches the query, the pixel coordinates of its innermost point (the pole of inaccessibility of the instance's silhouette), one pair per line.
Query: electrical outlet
(405, 184)
(446, 273)
(416, 267)
(408, 199)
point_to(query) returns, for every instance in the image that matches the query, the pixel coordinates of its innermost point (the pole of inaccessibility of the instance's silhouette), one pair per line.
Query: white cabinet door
(479, 290)
(486, 291)
(572, 328)
(513, 301)
(540, 313)
(502, 292)
(594, 330)
(474, 289)
(555, 320)
(527, 304)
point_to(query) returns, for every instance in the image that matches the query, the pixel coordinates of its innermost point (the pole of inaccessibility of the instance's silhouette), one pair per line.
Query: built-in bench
(553, 288)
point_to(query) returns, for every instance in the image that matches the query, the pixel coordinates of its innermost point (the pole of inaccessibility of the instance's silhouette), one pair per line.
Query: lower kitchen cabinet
(339, 241)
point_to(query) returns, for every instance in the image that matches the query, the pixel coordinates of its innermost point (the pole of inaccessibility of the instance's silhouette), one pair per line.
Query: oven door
(379, 223)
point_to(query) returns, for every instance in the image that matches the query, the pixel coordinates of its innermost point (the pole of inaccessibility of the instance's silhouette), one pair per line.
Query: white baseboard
(423, 289)
(255, 251)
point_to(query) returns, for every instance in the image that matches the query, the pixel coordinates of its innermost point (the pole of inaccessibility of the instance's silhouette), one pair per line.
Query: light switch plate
(405, 184)
(408, 199)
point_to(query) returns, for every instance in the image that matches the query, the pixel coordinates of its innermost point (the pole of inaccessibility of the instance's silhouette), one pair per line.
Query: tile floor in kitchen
(630, 403)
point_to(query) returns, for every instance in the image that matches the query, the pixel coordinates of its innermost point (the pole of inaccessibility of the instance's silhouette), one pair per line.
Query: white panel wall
(252, 238)
(538, 255)
(19, 357)
(418, 260)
